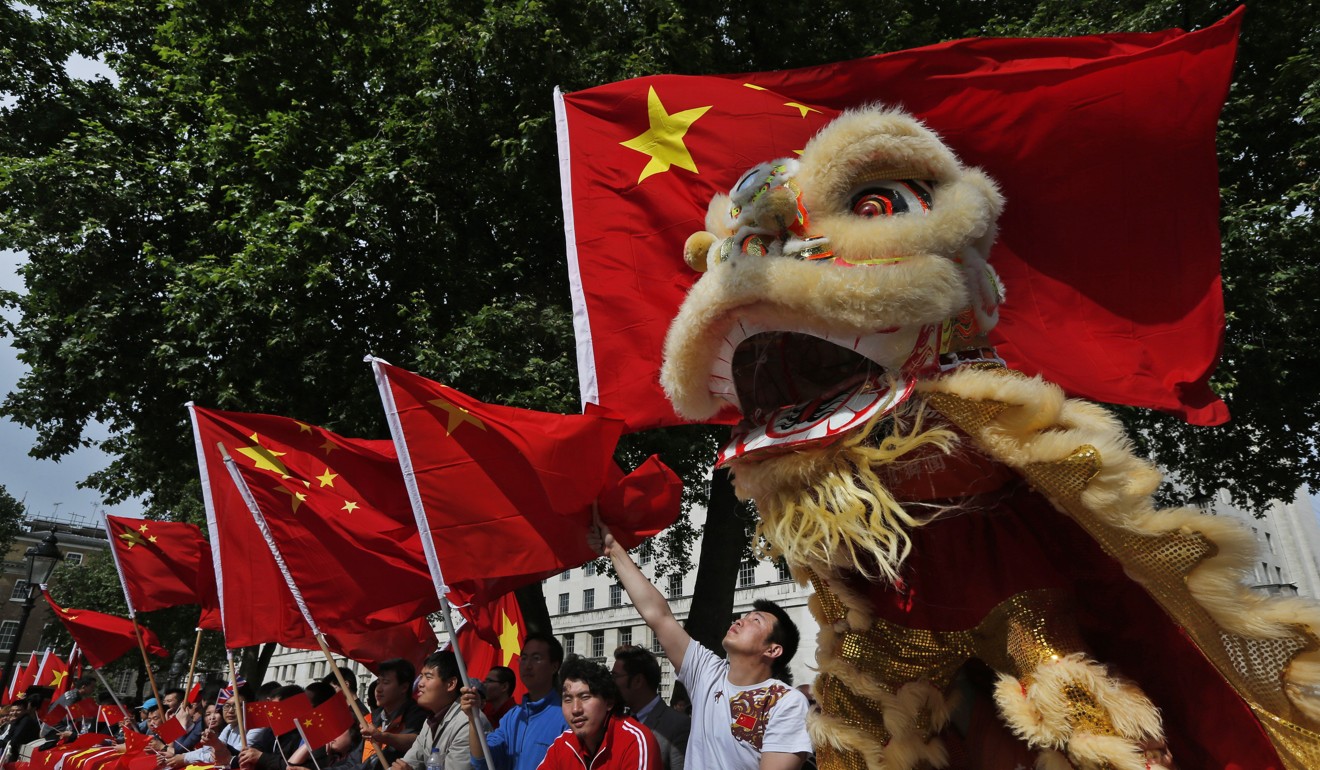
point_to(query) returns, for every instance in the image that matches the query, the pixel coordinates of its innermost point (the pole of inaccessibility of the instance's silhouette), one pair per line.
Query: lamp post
(41, 561)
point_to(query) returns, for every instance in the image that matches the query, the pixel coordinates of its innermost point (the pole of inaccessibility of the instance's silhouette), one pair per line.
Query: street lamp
(41, 561)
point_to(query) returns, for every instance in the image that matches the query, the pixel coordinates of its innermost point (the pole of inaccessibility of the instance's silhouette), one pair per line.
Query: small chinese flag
(297, 707)
(264, 713)
(194, 692)
(326, 722)
(170, 731)
(56, 676)
(103, 638)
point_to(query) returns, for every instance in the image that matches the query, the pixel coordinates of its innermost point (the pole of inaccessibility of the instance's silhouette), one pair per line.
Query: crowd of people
(738, 712)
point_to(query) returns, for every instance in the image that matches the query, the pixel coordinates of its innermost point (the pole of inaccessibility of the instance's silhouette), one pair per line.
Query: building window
(566, 574)
(782, 572)
(644, 554)
(746, 574)
(7, 631)
(570, 644)
(656, 647)
(616, 595)
(589, 569)
(1278, 575)
(675, 586)
(73, 558)
(625, 636)
(20, 592)
(125, 680)
(597, 644)
(589, 599)
(563, 604)
(1269, 542)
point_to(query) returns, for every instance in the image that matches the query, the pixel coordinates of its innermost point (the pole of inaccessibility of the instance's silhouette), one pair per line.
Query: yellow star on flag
(349, 506)
(143, 529)
(133, 538)
(328, 447)
(295, 498)
(663, 139)
(457, 416)
(303, 427)
(263, 458)
(802, 108)
(508, 638)
(327, 479)
(152, 538)
(57, 678)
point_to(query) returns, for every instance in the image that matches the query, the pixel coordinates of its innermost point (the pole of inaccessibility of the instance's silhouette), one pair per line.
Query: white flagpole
(119, 569)
(424, 529)
(208, 501)
(243, 490)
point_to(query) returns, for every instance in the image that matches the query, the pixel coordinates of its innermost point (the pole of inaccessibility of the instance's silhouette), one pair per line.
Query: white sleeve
(787, 729)
(697, 662)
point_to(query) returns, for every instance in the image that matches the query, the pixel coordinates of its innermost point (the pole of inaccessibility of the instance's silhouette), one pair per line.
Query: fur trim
(1049, 759)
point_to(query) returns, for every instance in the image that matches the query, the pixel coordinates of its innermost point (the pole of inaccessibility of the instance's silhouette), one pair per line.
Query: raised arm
(650, 603)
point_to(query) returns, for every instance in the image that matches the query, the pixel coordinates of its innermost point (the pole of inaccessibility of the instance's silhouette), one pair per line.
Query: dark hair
(350, 676)
(680, 696)
(597, 678)
(784, 633)
(287, 691)
(639, 660)
(403, 670)
(504, 675)
(267, 690)
(183, 696)
(444, 663)
(319, 692)
(556, 649)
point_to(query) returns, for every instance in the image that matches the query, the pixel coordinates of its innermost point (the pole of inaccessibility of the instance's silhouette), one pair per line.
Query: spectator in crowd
(599, 736)
(679, 700)
(637, 674)
(205, 753)
(172, 698)
(396, 720)
(745, 713)
(350, 678)
(306, 758)
(528, 729)
(500, 684)
(23, 728)
(446, 732)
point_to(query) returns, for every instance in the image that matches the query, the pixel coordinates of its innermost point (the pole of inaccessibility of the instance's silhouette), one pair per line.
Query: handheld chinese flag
(256, 603)
(507, 493)
(103, 638)
(492, 635)
(297, 707)
(163, 564)
(55, 675)
(262, 713)
(22, 679)
(1112, 299)
(326, 722)
(170, 731)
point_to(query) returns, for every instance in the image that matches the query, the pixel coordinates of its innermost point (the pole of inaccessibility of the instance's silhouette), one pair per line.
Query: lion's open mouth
(797, 388)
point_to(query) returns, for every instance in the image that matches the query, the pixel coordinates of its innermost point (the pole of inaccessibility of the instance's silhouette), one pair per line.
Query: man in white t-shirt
(745, 714)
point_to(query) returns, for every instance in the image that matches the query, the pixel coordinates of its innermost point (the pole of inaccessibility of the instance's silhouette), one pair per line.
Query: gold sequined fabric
(830, 758)
(1253, 666)
(854, 710)
(1085, 714)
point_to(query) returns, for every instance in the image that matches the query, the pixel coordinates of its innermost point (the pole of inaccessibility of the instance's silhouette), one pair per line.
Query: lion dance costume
(946, 508)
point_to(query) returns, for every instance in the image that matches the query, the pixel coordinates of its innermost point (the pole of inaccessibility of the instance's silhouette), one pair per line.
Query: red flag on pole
(55, 675)
(492, 635)
(507, 492)
(22, 679)
(164, 564)
(1112, 295)
(326, 722)
(103, 638)
(256, 603)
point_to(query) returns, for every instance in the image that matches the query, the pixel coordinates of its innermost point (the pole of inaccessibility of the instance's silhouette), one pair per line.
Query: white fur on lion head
(786, 251)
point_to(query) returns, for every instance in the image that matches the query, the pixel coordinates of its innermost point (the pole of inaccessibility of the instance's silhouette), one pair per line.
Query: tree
(12, 513)
(270, 190)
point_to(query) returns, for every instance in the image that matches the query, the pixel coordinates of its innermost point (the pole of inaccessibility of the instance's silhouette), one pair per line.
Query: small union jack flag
(228, 692)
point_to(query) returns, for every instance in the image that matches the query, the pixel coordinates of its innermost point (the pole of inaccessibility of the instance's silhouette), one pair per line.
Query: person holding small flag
(446, 733)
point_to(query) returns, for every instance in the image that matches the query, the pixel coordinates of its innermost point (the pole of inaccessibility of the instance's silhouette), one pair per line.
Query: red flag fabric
(22, 679)
(507, 492)
(296, 707)
(492, 635)
(103, 638)
(164, 564)
(194, 692)
(1112, 295)
(326, 722)
(260, 713)
(84, 709)
(55, 675)
(171, 730)
(257, 605)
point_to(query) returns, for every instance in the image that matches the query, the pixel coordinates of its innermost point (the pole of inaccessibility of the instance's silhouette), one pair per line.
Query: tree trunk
(531, 600)
(255, 665)
(721, 554)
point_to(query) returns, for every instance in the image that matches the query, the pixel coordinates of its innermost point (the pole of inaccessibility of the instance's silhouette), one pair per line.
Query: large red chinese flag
(164, 564)
(492, 635)
(1104, 147)
(338, 510)
(103, 638)
(507, 492)
(256, 603)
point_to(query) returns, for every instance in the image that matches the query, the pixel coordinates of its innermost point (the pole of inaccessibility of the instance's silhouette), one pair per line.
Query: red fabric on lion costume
(947, 508)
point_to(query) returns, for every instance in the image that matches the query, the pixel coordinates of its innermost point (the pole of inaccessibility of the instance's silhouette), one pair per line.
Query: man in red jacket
(599, 736)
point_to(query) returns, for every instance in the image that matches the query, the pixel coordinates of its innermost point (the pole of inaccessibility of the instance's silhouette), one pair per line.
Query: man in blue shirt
(526, 731)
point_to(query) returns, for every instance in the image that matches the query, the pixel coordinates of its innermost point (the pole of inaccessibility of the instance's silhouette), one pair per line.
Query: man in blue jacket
(526, 731)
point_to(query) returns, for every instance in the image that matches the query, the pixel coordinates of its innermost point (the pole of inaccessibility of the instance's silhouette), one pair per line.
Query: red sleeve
(641, 751)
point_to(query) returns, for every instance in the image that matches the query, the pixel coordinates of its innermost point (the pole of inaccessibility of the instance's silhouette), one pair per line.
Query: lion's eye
(890, 197)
